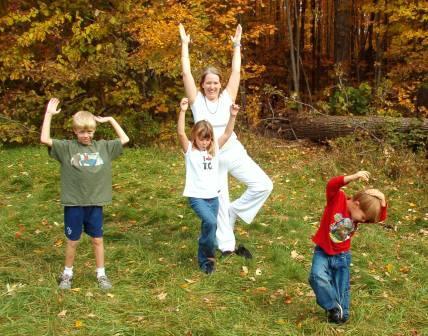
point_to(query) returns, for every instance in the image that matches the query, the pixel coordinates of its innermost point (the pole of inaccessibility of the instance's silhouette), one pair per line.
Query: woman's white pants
(235, 161)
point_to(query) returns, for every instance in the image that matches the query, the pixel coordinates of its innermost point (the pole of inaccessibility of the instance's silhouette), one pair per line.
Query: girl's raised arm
(181, 132)
(233, 84)
(188, 80)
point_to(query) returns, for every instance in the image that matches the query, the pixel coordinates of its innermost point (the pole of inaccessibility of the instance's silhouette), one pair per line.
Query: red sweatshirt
(337, 228)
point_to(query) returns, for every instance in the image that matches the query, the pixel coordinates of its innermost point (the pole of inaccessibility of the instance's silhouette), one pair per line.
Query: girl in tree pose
(211, 103)
(202, 178)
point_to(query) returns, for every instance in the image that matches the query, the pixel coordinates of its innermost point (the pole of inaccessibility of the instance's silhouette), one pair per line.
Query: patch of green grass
(151, 244)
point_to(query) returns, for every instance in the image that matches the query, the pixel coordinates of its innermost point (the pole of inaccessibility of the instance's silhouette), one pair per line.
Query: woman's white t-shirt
(202, 177)
(217, 113)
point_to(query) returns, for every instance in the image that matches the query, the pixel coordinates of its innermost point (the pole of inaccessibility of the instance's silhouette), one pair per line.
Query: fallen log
(319, 128)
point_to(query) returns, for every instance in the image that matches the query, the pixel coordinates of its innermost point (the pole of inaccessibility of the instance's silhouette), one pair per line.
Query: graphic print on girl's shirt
(342, 228)
(207, 164)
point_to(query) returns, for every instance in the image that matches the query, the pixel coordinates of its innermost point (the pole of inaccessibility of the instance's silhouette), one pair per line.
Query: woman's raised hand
(237, 38)
(184, 37)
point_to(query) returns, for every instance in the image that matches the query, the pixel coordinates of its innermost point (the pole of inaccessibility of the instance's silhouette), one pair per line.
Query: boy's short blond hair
(84, 120)
(369, 204)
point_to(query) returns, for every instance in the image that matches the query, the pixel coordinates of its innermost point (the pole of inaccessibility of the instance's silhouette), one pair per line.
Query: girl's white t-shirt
(217, 113)
(202, 177)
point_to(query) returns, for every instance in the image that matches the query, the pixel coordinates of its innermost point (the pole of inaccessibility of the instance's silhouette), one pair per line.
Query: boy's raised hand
(184, 37)
(234, 109)
(52, 105)
(184, 104)
(378, 194)
(362, 175)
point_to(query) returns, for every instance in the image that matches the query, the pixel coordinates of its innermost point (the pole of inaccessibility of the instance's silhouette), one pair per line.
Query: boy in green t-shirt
(86, 183)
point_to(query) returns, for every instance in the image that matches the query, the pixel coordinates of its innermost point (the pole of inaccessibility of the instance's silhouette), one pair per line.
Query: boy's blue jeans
(329, 278)
(207, 210)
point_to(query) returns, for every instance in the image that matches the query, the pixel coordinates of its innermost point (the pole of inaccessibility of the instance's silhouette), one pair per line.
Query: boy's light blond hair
(369, 204)
(84, 120)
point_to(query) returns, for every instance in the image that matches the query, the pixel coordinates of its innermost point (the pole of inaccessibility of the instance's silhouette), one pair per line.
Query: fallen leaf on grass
(78, 324)
(258, 271)
(244, 271)
(77, 289)
(161, 296)
(190, 281)
(296, 256)
(58, 242)
(287, 299)
(310, 294)
(11, 289)
(62, 313)
(260, 290)
(110, 295)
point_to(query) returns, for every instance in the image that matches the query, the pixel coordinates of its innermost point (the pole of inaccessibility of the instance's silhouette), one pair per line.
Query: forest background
(330, 60)
(121, 58)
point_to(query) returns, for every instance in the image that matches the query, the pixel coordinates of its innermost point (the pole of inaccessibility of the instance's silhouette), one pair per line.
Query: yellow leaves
(59, 242)
(78, 324)
(244, 271)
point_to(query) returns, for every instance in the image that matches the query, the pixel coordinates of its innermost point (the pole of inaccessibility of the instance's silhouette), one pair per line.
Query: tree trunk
(320, 128)
(294, 65)
(342, 32)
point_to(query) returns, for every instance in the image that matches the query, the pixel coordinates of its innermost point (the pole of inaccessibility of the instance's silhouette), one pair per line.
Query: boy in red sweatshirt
(330, 272)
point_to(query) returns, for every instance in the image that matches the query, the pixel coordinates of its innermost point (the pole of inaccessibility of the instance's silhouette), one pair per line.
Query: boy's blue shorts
(88, 218)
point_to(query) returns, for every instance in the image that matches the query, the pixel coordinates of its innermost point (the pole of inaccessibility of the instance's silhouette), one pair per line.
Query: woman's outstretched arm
(189, 82)
(233, 84)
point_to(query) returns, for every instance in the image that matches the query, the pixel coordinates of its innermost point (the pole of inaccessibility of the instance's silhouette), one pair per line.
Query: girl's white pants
(235, 160)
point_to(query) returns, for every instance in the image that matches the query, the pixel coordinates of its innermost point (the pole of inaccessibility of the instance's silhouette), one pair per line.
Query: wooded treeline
(121, 58)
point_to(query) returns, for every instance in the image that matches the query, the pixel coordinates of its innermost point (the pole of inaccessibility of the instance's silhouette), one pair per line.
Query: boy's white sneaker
(104, 282)
(64, 281)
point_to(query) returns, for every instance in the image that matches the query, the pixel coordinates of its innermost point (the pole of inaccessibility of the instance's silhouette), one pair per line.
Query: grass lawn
(151, 241)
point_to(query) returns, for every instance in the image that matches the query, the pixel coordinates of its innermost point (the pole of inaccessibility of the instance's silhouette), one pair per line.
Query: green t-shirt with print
(85, 170)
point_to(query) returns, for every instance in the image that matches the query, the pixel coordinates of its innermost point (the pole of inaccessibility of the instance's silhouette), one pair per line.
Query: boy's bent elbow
(46, 141)
(124, 141)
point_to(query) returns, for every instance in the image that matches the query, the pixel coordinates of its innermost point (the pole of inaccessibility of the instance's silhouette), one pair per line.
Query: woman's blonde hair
(203, 130)
(369, 204)
(84, 120)
(207, 71)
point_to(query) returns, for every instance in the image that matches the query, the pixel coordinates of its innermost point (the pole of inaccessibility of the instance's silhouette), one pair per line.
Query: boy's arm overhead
(337, 182)
(361, 175)
(51, 109)
(182, 137)
(230, 125)
(119, 131)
